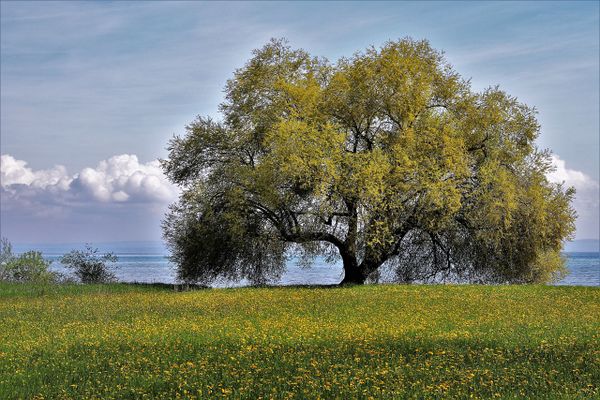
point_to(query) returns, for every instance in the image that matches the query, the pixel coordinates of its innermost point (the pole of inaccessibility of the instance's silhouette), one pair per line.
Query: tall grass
(119, 341)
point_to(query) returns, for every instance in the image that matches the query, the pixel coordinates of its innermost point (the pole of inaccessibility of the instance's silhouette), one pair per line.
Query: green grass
(9, 290)
(121, 341)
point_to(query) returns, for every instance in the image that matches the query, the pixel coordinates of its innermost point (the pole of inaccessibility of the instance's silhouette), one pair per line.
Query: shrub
(6, 256)
(89, 266)
(28, 267)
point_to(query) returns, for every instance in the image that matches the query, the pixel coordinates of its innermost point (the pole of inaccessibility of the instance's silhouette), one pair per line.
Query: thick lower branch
(304, 237)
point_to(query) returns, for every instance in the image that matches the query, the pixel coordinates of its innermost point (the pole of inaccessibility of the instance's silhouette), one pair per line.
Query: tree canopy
(387, 159)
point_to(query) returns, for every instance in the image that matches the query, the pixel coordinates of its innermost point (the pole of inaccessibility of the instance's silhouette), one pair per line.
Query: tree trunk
(357, 274)
(352, 272)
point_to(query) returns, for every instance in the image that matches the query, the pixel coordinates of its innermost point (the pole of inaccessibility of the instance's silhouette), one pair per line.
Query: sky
(91, 92)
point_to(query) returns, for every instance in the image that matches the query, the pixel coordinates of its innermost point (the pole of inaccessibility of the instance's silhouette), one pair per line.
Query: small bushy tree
(89, 266)
(29, 267)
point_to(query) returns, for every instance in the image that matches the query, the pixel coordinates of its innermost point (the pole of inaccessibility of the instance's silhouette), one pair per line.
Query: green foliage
(387, 158)
(381, 342)
(29, 267)
(89, 266)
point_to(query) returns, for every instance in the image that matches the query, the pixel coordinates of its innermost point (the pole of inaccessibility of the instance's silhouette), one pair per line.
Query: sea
(148, 262)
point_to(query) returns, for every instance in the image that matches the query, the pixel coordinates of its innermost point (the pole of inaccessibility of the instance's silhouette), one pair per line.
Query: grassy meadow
(122, 341)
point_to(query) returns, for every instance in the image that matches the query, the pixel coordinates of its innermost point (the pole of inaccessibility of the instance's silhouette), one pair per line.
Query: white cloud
(119, 179)
(123, 178)
(570, 177)
(13, 171)
(119, 199)
(587, 196)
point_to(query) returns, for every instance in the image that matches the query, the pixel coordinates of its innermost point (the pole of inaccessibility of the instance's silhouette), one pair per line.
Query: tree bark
(353, 273)
(357, 274)
(352, 270)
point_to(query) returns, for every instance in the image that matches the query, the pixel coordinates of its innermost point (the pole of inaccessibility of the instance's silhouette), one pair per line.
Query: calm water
(584, 269)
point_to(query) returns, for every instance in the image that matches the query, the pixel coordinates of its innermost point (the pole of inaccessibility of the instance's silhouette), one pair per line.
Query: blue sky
(92, 91)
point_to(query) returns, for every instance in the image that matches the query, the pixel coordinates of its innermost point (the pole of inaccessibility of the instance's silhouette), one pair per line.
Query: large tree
(387, 159)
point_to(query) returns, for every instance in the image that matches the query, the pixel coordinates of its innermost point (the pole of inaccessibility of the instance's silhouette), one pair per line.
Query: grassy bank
(119, 341)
